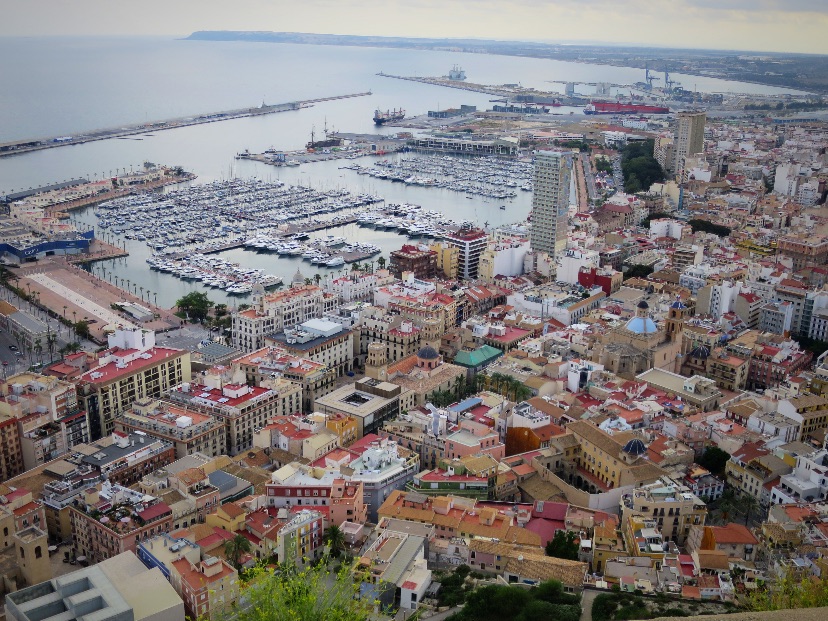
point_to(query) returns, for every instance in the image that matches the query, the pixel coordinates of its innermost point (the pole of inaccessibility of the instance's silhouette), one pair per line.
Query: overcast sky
(773, 25)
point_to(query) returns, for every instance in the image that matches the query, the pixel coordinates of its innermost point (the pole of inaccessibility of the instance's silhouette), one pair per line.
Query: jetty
(18, 147)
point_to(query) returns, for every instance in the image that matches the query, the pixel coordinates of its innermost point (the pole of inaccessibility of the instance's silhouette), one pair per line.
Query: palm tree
(308, 281)
(51, 339)
(335, 539)
(235, 548)
(356, 267)
(38, 349)
(317, 278)
(142, 293)
(748, 503)
(459, 385)
(381, 262)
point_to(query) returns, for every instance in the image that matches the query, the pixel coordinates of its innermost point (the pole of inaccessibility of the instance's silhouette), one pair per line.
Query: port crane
(649, 78)
(668, 83)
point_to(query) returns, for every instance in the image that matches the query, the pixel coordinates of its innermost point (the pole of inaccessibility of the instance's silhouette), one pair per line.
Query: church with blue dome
(642, 343)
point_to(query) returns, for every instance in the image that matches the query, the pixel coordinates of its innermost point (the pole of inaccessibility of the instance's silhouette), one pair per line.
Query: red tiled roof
(156, 510)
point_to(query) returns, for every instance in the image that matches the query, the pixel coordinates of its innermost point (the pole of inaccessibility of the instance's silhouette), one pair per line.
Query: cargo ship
(611, 107)
(380, 117)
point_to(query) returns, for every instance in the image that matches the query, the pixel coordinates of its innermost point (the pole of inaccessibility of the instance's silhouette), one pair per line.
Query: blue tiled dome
(641, 325)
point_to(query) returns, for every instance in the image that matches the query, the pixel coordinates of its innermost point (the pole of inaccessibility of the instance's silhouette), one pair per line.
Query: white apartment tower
(690, 139)
(550, 202)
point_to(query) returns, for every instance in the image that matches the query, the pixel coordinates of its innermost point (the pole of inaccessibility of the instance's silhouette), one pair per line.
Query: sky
(755, 25)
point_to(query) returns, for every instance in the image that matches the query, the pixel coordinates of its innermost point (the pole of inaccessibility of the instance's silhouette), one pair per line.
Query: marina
(195, 233)
(490, 177)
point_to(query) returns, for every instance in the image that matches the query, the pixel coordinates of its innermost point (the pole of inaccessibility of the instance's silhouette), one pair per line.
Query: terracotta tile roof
(733, 534)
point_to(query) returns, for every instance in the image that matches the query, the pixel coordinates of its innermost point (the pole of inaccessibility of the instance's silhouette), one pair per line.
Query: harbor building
(132, 368)
(689, 140)
(550, 202)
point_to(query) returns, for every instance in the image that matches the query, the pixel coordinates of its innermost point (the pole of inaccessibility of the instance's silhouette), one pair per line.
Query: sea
(64, 85)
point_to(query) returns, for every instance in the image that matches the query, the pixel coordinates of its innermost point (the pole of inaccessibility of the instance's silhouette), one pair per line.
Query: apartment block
(132, 368)
(188, 431)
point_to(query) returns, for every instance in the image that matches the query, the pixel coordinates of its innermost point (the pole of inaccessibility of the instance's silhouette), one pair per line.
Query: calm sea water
(58, 86)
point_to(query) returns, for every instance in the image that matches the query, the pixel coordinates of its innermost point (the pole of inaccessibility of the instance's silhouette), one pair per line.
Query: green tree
(638, 271)
(791, 591)
(563, 545)
(495, 603)
(82, 328)
(196, 305)
(335, 539)
(235, 548)
(381, 262)
(312, 594)
(748, 504)
(714, 459)
(708, 227)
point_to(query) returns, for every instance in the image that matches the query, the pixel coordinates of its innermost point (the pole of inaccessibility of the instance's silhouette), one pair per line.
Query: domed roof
(298, 279)
(700, 351)
(635, 447)
(428, 353)
(641, 325)
(643, 304)
(258, 289)
(677, 304)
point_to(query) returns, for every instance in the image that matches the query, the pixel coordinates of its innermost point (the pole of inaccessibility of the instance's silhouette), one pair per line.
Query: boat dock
(25, 146)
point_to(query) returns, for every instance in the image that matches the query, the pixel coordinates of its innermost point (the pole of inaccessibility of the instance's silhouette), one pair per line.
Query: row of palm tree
(732, 503)
(505, 385)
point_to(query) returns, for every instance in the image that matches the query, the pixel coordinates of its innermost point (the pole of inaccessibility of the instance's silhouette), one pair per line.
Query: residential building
(209, 586)
(123, 458)
(689, 139)
(347, 502)
(265, 365)
(809, 412)
(396, 572)
(419, 260)
(806, 251)
(132, 368)
(320, 340)
(735, 540)
(776, 317)
(700, 392)
(188, 431)
(11, 452)
(471, 243)
(48, 417)
(751, 469)
(550, 202)
(453, 517)
(273, 312)
(111, 519)
(120, 588)
(807, 483)
(673, 506)
(448, 259)
(242, 409)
